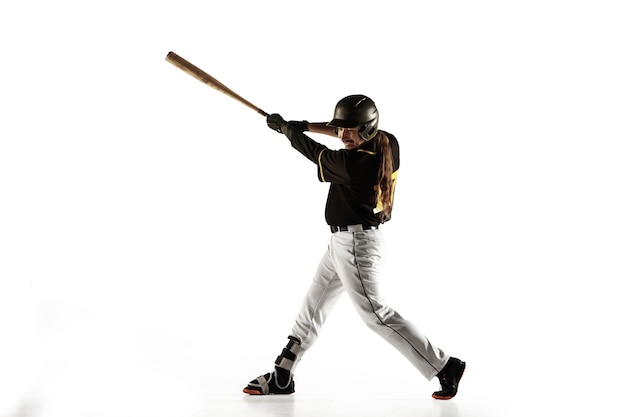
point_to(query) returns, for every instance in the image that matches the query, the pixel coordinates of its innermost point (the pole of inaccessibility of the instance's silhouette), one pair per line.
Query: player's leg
(358, 265)
(321, 297)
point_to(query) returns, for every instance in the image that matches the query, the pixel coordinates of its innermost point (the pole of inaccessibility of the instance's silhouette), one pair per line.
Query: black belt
(352, 228)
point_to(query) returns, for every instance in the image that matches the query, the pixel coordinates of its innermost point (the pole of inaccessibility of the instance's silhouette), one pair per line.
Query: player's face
(350, 137)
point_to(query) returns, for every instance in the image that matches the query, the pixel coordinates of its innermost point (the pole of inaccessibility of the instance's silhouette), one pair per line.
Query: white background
(156, 238)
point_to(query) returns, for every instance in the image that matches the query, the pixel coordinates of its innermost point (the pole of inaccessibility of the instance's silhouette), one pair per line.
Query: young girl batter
(362, 182)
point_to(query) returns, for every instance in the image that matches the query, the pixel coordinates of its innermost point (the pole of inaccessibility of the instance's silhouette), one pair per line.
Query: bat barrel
(209, 80)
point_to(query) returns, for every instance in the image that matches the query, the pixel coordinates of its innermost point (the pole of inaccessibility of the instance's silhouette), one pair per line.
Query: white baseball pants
(351, 264)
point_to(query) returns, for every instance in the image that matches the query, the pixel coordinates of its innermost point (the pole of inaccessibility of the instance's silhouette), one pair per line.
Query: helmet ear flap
(362, 133)
(369, 130)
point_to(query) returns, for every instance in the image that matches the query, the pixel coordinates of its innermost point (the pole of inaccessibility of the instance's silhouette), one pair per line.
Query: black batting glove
(275, 122)
(300, 126)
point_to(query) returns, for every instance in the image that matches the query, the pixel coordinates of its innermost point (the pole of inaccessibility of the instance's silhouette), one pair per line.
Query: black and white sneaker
(269, 384)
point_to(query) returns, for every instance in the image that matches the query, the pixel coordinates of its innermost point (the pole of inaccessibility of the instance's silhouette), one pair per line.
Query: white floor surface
(193, 388)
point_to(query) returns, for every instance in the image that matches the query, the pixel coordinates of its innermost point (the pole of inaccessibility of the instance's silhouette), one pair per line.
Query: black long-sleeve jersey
(352, 174)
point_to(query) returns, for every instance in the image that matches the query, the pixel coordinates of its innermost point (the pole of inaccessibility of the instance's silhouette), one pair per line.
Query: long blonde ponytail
(385, 176)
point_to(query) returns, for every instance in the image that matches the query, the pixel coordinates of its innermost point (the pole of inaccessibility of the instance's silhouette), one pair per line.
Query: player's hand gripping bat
(197, 73)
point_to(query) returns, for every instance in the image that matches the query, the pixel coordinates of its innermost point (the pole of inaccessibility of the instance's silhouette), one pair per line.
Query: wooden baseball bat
(197, 73)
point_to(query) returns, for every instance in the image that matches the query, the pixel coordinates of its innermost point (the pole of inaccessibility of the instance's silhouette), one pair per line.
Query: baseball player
(362, 179)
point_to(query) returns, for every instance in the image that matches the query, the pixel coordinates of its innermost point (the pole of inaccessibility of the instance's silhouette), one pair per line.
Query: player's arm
(331, 165)
(316, 127)
(302, 143)
(321, 127)
(295, 133)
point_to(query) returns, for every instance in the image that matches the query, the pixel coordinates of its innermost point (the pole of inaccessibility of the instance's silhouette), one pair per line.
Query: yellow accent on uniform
(319, 163)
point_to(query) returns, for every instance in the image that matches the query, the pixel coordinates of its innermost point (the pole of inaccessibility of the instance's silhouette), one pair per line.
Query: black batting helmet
(357, 110)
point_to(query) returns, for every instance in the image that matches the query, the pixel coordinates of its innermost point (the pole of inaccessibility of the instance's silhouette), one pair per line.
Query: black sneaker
(268, 385)
(449, 378)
